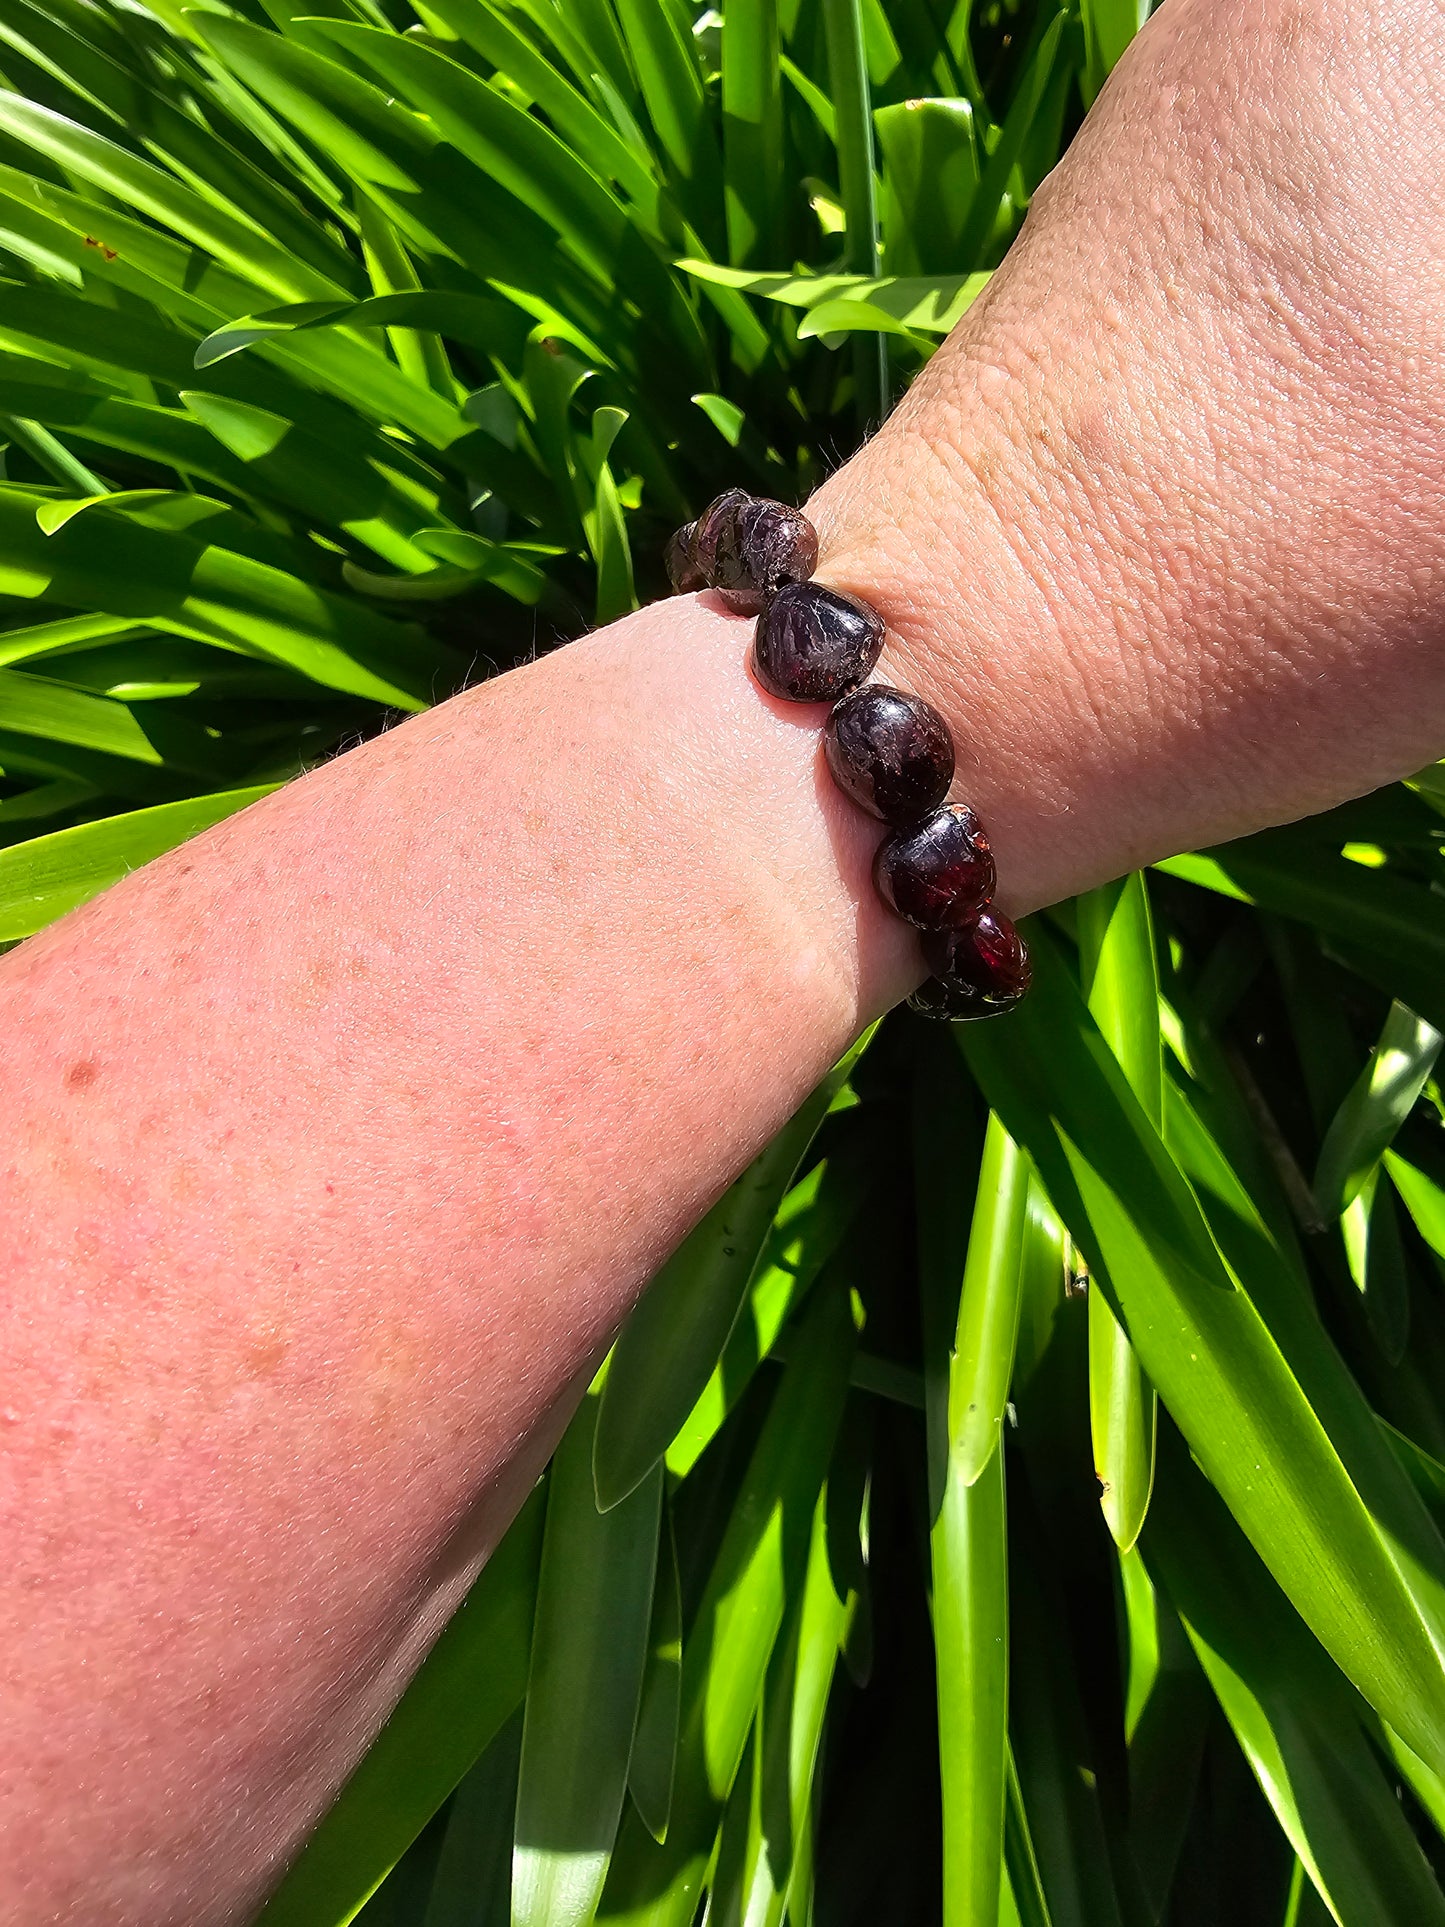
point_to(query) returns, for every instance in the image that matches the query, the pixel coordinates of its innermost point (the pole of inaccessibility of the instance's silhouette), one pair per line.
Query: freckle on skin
(264, 1356)
(81, 1075)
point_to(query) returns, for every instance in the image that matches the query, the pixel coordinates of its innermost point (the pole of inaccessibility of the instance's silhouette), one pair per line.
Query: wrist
(975, 629)
(889, 751)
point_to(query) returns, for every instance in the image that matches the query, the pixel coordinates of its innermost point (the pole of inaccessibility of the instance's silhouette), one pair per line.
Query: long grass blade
(1299, 1461)
(853, 136)
(1375, 1107)
(1120, 976)
(671, 1345)
(589, 1642)
(726, 1653)
(981, 1367)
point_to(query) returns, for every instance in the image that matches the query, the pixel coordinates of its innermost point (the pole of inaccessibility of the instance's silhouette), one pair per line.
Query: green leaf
(970, 1641)
(1024, 1886)
(981, 1365)
(968, 1347)
(1378, 1103)
(1376, 1260)
(157, 508)
(726, 416)
(145, 187)
(931, 172)
(473, 1883)
(1120, 976)
(653, 1759)
(526, 158)
(928, 304)
(426, 187)
(58, 462)
(670, 1345)
(168, 578)
(1054, 1817)
(1019, 123)
(1109, 26)
(589, 1641)
(775, 1801)
(1295, 1717)
(45, 638)
(602, 517)
(488, 29)
(468, 1686)
(45, 800)
(1390, 930)
(37, 706)
(853, 137)
(725, 1657)
(1424, 1200)
(42, 879)
(816, 100)
(493, 326)
(831, 321)
(1265, 1402)
(752, 108)
(809, 1227)
(672, 89)
(1167, 1716)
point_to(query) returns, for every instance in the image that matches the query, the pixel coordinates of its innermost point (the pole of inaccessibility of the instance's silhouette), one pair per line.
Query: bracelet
(889, 751)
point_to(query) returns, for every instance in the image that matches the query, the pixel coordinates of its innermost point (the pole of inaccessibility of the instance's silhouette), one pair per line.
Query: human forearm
(324, 1183)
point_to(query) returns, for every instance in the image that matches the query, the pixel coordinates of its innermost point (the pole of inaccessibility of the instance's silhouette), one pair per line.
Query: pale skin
(338, 1143)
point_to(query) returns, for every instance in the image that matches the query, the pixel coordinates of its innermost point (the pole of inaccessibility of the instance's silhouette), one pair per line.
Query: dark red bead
(813, 645)
(890, 752)
(980, 970)
(933, 999)
(938, 873)
(682, 571)
(747, 548)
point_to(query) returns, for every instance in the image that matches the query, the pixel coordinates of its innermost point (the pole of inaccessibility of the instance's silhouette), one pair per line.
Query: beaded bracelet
(889, 751)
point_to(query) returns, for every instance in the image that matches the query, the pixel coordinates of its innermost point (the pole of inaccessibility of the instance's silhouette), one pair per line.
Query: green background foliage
(1020, 1500)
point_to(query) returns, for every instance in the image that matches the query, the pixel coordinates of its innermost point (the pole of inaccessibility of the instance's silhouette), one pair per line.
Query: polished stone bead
(813, 645)
(933, 999)
(891, 752)
(747, 548)
(980, 970)
(682, 571)
(938, 873)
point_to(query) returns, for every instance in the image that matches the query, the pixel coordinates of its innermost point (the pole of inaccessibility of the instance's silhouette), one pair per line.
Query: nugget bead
(937, 873)
(682, 572)
(891, 752)
(748, 548)
(813, 645)
(979, 970)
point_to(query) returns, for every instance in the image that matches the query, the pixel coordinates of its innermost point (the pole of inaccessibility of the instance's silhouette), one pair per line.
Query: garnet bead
(978, 971)
(890, 752)
(813, 645)
(682, 572)
(936, 873)
(747, 548)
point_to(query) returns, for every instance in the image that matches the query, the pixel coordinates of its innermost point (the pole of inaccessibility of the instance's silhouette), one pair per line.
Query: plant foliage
(1020, 1500)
